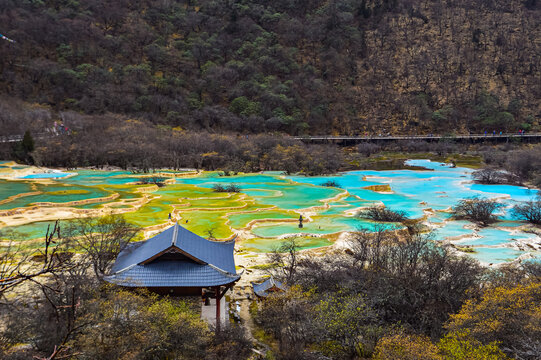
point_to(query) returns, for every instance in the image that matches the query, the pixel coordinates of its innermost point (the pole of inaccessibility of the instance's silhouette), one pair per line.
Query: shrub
(525, 163)
(382, 214)
(232, 188)
(331, 183)
(460, 345)
(218, 188)
(368, 149)
(406, 347)
(347, 325)
(228, 188)
(509, 315)
(494, 176)
(159, 181)
(529, 211)
(478, 210)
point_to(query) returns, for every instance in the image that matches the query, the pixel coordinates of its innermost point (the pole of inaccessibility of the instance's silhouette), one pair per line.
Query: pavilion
(178, 262)
(268, 287)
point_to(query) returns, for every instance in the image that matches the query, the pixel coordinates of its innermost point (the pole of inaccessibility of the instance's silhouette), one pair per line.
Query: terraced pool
(269, 205)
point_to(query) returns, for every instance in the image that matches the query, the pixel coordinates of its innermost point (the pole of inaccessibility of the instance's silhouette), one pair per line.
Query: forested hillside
(339, 66)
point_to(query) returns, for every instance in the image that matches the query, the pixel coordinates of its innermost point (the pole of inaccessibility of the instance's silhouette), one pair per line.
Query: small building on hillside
(180, 263)
(268, 287)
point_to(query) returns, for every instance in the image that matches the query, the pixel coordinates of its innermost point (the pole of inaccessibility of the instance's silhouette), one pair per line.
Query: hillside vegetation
(339, 66)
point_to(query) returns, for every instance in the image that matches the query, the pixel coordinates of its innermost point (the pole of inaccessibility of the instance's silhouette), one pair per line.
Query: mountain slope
(342, 66)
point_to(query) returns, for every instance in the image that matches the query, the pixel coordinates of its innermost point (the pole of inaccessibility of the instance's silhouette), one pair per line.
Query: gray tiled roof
(172, 274)
(217, 253)
(217, 263)
(140, 251)
(261, 289)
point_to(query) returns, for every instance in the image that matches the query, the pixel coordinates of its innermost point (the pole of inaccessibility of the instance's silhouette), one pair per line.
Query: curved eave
(137, 284)
(172, 274)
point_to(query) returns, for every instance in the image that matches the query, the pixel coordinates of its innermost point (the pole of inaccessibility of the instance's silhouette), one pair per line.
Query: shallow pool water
(271, 203)
(57, 193)
(241, 220)
(495, 255)
(452, 229)
(269, 245)
(51, 175)
(12, 188)
(319, 225)
(30, 231)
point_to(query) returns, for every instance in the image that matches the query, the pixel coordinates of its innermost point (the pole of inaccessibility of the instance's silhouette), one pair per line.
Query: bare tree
(494, 176)
(15, 267)
(530, 211)
(383, 214)
(287, 258)
(476, 209)
(102, 239)
(366, 247)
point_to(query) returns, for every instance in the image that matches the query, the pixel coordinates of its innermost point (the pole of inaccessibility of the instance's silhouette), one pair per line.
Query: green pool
(269, 204)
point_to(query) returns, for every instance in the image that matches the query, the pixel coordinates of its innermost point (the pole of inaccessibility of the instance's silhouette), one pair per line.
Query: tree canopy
(342, 66)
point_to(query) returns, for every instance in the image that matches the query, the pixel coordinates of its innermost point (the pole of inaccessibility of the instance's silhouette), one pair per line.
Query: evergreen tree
(22, 150)
(27, 143)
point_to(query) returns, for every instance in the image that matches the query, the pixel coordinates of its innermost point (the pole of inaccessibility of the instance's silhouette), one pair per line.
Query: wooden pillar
(218, 298)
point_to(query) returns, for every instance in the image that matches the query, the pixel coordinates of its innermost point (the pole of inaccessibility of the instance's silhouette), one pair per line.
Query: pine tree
(28, 143)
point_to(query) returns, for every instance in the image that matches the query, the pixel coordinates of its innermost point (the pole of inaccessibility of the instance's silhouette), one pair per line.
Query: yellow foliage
(460, 345)
(212, 153)
(508, 315)
(406, 347)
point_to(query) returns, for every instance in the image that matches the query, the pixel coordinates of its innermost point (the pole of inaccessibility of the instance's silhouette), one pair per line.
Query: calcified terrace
(269, 205)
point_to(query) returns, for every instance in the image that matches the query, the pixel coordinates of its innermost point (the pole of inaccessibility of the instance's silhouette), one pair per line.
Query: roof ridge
(226, 273)
(175, 233)
(124, 269)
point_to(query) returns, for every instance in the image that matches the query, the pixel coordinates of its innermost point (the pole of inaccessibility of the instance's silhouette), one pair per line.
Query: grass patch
(264, 266)
(467, 161)
(264, 337)
(466, 249)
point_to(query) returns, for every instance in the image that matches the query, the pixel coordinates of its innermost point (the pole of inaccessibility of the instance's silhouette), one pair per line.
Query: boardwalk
(529, 137)
(533, 137)
(17, 138)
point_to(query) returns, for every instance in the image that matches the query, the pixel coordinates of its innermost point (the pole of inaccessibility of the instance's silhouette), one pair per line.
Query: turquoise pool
(275, 201)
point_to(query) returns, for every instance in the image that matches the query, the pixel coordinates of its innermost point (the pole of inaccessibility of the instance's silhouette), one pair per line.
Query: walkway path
(470, 137)
(17, 138)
